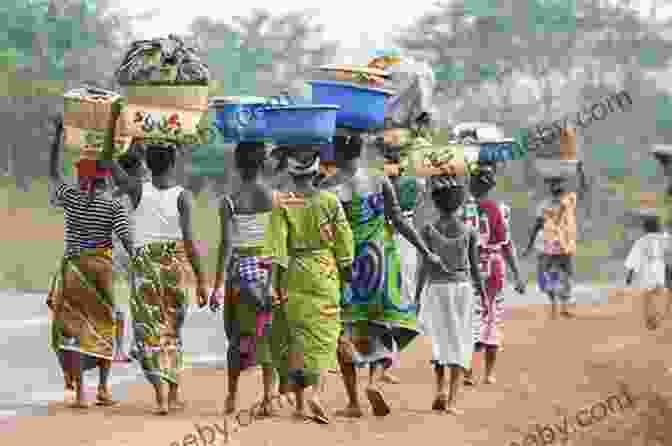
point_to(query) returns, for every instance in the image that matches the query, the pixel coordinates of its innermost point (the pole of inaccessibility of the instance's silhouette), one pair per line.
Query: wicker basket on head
(169, 112)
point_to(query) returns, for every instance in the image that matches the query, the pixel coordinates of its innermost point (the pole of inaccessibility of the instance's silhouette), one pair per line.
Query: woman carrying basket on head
(165, 250)
(82, 295)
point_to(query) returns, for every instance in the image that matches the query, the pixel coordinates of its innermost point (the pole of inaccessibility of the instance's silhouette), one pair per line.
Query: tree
(261, 54)
(52, 46)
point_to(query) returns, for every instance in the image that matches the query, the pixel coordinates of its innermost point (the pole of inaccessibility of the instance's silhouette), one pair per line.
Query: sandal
(319, 414)
(378, 403)
(350, 412)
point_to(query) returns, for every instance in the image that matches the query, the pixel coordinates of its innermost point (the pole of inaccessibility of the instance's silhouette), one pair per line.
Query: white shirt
(647, 259)
(157, 218)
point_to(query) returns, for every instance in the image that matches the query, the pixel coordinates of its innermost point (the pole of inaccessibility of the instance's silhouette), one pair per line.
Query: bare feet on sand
(440, 402)
(79, 405)
(319, 412)
(377, 400)
(389, 378)
(104, 398)
(230, 405)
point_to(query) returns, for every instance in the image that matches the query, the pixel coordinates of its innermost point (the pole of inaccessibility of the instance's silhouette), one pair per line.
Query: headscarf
(295, 168)
(87, 172)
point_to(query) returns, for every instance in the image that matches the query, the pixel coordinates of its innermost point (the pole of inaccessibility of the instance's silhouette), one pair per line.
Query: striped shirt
(90, 225)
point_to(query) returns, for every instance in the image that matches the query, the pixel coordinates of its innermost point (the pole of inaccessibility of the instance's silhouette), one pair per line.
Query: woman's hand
(202, 293)
(520, 286)
(216, 298)
(279, 295)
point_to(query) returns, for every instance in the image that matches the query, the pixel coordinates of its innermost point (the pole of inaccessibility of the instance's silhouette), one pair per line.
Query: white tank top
(157, 218)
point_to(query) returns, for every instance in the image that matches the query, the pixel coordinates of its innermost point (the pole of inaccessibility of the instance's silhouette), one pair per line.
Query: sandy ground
(547, 371)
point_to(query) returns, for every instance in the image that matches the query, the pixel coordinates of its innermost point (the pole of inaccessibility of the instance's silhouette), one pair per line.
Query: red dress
(491, 221)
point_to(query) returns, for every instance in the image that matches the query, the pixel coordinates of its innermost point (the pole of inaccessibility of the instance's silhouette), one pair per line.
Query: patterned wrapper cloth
(83, 307)
(159, 302)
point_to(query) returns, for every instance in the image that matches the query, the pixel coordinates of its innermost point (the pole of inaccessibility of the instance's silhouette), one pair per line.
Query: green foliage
(25, 19)
(548, 16)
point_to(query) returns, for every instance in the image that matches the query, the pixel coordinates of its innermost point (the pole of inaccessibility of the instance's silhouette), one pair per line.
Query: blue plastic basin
(233, 118)
(361, 107)
(300, 124)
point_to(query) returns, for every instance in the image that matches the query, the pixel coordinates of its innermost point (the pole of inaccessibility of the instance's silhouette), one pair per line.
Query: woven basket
(163, 112)
(420, 166)
(85, 113)
(353, 73)
(76, 141)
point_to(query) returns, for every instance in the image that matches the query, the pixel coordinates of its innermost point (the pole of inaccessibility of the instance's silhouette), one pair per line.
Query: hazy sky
(344, 20)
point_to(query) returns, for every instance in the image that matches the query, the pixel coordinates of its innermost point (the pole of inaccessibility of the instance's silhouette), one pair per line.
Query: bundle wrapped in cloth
(421, 158)
(162, 60)
(166, 86)
(86, 118)
(413, 81)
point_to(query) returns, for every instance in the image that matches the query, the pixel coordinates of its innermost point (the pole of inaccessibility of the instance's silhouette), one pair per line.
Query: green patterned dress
(377, 323)
(312, 240)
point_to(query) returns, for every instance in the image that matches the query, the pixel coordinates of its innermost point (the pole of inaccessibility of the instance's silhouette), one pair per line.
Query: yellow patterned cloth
(560, 225)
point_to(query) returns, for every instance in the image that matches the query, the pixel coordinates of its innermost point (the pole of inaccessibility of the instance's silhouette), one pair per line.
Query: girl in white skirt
(447, 308)
(645, 267)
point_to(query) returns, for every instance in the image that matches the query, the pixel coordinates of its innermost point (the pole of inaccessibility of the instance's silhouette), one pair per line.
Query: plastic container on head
(361, 107)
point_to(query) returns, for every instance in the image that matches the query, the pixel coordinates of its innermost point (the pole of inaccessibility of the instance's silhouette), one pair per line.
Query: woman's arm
(474, 262)
(128, 185)
(393, 213)
(225, 247)
(55, 159)
(185, 206)
(538, 226)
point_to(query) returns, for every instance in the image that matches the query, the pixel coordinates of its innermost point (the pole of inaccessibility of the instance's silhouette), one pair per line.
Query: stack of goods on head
(166, 88)
(360, 92)
(565, 164)
(492, 145)
(86, 120)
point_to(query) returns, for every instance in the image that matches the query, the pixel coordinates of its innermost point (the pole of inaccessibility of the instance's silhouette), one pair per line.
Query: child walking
(645, 266)
(447, 308)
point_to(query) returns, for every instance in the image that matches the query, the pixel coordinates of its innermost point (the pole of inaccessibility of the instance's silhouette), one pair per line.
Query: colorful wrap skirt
(83, 307)
(159, 302)
(489, 310)
(248, 309)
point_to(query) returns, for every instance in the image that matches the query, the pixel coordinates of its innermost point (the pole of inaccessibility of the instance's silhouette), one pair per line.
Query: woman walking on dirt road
(82, 295)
